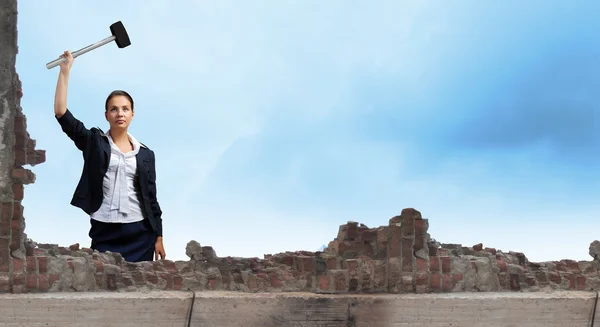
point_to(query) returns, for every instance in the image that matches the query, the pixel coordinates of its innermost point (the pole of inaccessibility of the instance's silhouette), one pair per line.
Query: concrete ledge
(298, 309)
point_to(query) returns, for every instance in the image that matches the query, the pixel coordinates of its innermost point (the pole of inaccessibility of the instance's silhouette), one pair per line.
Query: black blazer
(95, 147)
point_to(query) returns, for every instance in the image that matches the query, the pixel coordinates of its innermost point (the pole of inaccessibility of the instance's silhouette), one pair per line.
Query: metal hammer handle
(79, 52)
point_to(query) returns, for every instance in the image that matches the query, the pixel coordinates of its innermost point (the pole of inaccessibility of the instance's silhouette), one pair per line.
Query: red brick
(419, 243)
(23, 176)
(434, 264)
(561, 266)
(435, 281)
(352, 265)
(43, 283)
(580, 283)
(572, 280)
(42, 265)
(138, 277)
(32, 280)
(52, 278)
(421, 278)
(170, 266)
(5, 218)
(15, 240)
(38, 157)
(31, 264)
(87, 250)
(306, 264)
(369, 235)
(447, 282)
(74, 247)
(530, 281)
(382, 243)
(379, 277)
(419, 227)
(20, 129)
(18, 192)
(351, 232)
(20, 157)
(445, 264)
(433, 249)
(177, 282)
(17, 211)
(324, 282)
(395, 241)
(457, 278)
(408, 228)
(151, 278)
(19, 279)
(288, 260)
(554, 277)
(407, 255)
(331, 263)
(491, 250)
(339, 281)
(421, 264)
(478, 247)
(573, 266)
(4, 255)
(275, 282)
(18, 265)
(443, 252)
(502, 265)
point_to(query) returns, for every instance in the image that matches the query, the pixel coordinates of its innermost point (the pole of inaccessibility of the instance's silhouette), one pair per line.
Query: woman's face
(119, 112)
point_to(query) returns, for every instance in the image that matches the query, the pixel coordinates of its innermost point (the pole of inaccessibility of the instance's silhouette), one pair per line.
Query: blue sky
(275, 122)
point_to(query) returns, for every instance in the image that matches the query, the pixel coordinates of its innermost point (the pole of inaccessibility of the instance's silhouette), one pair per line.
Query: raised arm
(74, 128)
(62, 85)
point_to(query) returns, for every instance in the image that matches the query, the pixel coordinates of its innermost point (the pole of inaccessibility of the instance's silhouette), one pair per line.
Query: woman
(118, 185)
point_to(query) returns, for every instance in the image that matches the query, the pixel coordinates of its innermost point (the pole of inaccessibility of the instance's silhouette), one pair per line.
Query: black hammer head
(120, 33)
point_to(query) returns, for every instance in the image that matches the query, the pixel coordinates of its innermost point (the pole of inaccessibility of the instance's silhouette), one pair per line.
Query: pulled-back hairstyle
(118, 93)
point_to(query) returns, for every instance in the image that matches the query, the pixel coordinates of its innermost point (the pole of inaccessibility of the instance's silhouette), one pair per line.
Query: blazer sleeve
(74, 129)
(153, 197)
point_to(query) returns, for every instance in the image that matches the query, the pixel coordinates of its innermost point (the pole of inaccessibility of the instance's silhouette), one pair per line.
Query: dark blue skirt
(134, 241)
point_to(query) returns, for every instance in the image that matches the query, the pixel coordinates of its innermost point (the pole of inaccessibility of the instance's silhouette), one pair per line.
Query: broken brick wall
(397, 258)
(17, 150)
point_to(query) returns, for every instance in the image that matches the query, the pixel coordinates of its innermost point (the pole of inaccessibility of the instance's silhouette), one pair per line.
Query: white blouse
(121, 201)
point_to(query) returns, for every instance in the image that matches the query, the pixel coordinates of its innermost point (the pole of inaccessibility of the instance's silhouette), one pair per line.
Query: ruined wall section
(397, 258)
(17, 150)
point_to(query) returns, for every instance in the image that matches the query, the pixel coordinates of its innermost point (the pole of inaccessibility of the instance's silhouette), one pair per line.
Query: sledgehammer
(119, 35)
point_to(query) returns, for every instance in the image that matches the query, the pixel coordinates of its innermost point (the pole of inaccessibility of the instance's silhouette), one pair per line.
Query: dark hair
(118, 93)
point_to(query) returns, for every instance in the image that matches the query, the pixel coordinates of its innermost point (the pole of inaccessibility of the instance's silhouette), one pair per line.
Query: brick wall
(397, 258)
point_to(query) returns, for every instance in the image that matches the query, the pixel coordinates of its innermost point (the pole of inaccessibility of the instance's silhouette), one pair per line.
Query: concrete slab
(164, 309)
